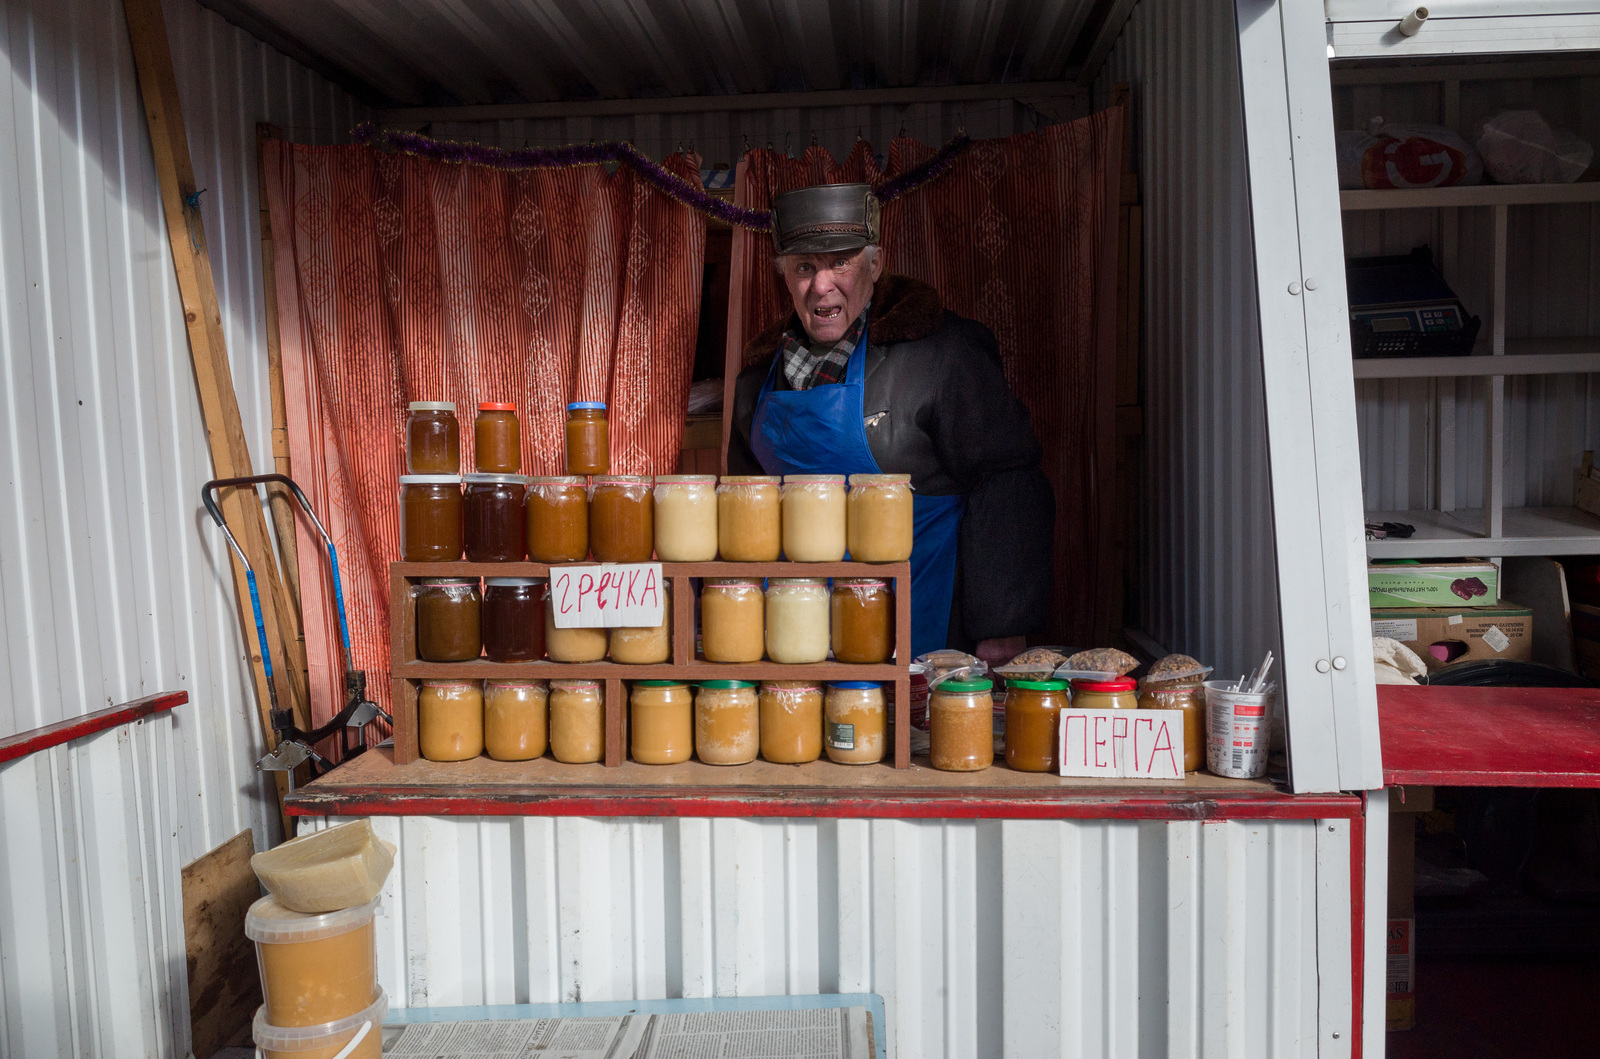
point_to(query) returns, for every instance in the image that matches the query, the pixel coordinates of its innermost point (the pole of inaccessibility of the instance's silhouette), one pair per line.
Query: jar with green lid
(961, 725)
(1033, 720)
(727, 727)
(663, 722)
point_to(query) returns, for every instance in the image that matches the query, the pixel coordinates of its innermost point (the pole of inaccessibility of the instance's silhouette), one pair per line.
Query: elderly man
(871, 374)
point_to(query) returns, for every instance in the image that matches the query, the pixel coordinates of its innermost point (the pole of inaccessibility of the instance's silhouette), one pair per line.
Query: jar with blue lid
(855, 722)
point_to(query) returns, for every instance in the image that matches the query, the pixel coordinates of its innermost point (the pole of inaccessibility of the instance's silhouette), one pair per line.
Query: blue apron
(822, 431)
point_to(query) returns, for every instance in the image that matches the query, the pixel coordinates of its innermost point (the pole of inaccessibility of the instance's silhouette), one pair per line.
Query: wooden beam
(847, 97)
(219, 406)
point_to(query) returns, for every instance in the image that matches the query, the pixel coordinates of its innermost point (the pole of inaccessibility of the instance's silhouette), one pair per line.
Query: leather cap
(825, 218)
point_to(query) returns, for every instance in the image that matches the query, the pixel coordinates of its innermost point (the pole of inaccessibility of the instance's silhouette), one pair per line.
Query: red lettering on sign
(1119, 732)
(652, 589)
(1249, 711)
(1148, 723)
(600, 593)
(1098, 742)
(633, 582)
(1164, 742)
(1068, 720)
(566, 589)
(585, 586)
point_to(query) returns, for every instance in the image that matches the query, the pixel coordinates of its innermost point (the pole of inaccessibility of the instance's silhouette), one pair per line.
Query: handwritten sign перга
(1144, 744)
(616, 595)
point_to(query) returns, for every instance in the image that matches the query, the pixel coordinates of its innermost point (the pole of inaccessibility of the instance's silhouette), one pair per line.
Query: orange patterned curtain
(404, 279)
(1019, 234)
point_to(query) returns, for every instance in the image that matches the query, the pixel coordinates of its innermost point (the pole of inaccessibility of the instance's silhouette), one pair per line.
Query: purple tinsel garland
(669, 184)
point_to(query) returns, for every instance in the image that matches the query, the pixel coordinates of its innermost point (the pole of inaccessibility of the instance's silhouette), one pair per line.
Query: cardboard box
(1466, 583)
(1441, 635)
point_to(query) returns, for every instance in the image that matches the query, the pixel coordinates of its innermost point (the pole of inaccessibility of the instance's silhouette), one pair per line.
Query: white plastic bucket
(358, 1037)
(1238, 730)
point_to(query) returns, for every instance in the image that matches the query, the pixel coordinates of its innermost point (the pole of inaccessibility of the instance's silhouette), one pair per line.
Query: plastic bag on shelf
(1405, 155)
(1520, 147)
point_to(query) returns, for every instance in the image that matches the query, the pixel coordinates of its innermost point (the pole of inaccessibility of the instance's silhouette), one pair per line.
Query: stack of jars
(731, 722)
(961, 719)
(797, 620)
(512, 720)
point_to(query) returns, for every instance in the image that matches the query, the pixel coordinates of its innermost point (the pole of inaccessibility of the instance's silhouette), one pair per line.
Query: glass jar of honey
(495, 518)
(727, 725)
(686, 518)
(855, 722)
(791, 721)
(449, 619)
(1033, 720)
(862, 619)
(646, 645)
(577, 721)
(813, 518)
(663, 722)
(879, 518)
(450, 720)
(430, 518)
(515, 719)
(572, 645)
(621, 519)
(558, 520)
(732, 620)
(797, 619)
(1189, 698)
(433, 438)
(961, 725)
(1118, 693)
(749, 519)
(588, 447)
(513, 619)
(497, 439)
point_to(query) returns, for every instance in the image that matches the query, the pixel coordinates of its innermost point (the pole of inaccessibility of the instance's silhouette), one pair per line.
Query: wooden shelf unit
(406, 669)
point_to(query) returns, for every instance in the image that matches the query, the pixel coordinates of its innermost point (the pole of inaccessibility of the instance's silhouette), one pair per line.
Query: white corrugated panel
(1207, 560)
(92, 959)
(721, 137)
(115, 583)
(1552, 291)
(1021, 939)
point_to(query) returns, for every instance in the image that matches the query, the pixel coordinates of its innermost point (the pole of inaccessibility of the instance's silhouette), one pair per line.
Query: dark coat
(938, 408)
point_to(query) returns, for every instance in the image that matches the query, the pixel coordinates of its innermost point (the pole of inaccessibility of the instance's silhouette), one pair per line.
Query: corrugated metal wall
(115, 583)
(1020, 939)
(1552, 290)
(1207, 556)
(92, 959)
(721, 137)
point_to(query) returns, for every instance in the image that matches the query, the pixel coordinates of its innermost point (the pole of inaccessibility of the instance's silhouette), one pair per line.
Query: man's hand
(998, 652)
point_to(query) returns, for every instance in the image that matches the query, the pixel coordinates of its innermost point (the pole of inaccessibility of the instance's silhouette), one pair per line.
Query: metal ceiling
(464, 52)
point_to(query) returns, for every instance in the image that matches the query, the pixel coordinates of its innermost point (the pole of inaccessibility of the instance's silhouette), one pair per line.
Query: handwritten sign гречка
(1142, 744)
(616, 595)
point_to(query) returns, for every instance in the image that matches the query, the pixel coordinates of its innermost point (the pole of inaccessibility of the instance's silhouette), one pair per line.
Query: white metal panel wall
(92, 962)
(1209, 584)
(721, 137)
(1020, 939)
(115, 583)
(1552, 290)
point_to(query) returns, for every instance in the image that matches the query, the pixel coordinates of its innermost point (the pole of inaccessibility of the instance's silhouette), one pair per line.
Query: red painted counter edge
(34, 740)
(395, 800)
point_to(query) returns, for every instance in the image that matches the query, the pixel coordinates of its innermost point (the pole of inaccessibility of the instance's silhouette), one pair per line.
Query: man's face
(830, 290)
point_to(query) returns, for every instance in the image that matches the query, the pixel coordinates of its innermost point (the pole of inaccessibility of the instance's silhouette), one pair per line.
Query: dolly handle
(305, 505)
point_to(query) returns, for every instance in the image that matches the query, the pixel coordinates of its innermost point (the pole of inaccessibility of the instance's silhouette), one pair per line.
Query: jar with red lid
(497, 438)
(1118, 693)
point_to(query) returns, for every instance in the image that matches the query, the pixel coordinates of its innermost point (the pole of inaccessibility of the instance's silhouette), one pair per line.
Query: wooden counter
(373, 785)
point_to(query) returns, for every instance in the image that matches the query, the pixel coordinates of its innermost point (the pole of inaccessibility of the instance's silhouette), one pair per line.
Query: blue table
(605, 1008)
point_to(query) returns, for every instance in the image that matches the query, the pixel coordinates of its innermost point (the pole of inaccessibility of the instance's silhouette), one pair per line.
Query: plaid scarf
(805, 367)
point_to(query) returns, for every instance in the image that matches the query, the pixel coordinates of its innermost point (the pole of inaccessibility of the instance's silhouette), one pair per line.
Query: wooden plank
(1490, 737)
(219, 406)
(279, 502)
(224, 988)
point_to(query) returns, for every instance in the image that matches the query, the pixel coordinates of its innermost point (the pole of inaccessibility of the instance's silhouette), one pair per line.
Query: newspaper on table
(816, 1033)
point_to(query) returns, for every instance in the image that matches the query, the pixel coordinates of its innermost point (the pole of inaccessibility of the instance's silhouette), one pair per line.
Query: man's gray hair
(871, 256)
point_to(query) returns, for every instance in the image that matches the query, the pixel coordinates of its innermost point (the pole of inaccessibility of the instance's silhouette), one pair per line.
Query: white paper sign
(1143, 744)
(610, 596)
